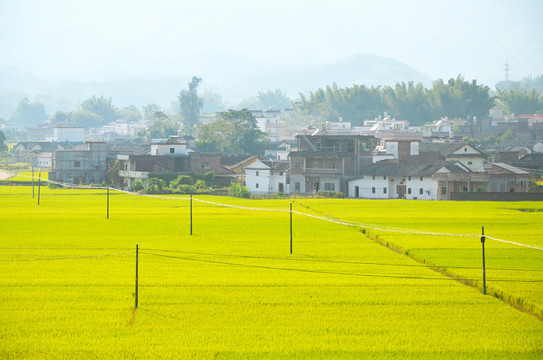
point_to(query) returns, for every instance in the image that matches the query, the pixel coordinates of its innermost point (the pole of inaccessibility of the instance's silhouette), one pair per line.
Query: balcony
(133, 174)
(315, 171)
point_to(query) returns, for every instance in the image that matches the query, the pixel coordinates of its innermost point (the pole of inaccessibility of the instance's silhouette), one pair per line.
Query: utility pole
(291, 228)
(484, 270)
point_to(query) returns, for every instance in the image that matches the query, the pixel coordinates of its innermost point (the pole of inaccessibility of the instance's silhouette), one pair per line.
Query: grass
(233, 291)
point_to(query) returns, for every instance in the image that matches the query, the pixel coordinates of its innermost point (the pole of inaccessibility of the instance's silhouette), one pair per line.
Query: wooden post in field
(484, 271)
(191, 214)
(291, 228)
(39, 187)
(107, 202)
(136, 294)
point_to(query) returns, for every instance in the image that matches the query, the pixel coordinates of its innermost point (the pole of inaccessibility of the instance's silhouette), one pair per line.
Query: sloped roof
(403, 169)
(511, 169)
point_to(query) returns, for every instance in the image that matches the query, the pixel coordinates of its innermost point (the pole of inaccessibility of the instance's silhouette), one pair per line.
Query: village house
(328, 159)
(264, 177)
(85, 164)
(437, 181)
(173, 157)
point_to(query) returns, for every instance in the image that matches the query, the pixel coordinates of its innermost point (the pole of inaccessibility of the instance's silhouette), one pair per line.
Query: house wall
(166, 149)
(85, 166)
(258, 184)
(391, 183)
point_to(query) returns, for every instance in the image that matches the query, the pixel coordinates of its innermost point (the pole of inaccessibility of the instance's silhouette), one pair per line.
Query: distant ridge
(232, 76)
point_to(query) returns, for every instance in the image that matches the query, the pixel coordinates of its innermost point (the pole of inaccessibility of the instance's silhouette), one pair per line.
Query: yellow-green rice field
(232, 290)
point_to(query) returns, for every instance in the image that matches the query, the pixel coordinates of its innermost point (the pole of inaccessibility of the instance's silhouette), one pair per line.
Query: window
(77, 164)
(421, 178)
(280, 173)
(464, 189)
(205, 165)
(350, 147)
(316, 164)
(373, 177)
(421, 191)
(409, 178)
(443, 191)
(373, 190)
(257, 175)
(384, 177)
(512, 189)
(318, 146)
(256, 185)
(465, 149)
(297, 165)
(336, 146)
(384, 190)
(329, 186)
(470, 162)
(297, 186)
(332, 165)
(522, 183)
(409, 191)
(172, 150)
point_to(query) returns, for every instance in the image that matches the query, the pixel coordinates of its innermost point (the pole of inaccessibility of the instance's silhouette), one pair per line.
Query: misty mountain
(233, 76)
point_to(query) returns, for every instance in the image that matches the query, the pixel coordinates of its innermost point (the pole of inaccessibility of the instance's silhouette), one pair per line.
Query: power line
(340, 262)
(326, 271)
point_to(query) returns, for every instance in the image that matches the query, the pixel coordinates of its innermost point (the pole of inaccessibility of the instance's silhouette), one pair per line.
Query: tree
(408, 102)
(150, 110)
(102, 107)
(233, 131)
(3, 147)
(162, 127)
(28, 114)
(245, 135)
(61, 117)
(191, 104)
(275, 99)
(213, 102)
(85, 118)
(130, 113)
(520, 102)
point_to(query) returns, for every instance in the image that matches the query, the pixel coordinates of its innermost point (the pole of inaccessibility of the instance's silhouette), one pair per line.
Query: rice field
(232, 290)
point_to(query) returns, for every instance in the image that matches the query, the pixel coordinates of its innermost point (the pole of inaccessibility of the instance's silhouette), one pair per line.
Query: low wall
(496, 196)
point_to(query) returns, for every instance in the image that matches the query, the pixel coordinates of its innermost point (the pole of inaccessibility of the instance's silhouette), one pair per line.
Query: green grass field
(232, 290)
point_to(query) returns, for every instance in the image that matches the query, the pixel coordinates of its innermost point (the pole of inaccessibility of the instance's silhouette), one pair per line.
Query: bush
(138, 186)
(330, 194)
(240, 191)
(181, 180)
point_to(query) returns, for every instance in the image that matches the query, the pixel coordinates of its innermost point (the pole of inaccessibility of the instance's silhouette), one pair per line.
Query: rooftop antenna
(506, 70)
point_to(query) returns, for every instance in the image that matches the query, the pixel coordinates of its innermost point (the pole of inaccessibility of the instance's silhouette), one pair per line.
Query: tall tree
(408, 102)
(233, 131)
(102, 107)
(520, 102)
(28, 114)
(213, 102)
(3, 147)
(191, 104)
(275, 99)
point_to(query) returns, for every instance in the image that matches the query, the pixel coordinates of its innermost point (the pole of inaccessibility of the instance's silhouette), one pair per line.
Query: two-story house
(328, 160)
(264, 177)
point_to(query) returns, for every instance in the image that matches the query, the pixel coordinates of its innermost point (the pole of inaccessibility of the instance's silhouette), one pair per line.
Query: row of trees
(455, 98)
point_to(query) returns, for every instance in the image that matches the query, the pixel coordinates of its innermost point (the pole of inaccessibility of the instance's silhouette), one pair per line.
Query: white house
(43, 160)
(175, 145)
(264, 177)
(386, 180)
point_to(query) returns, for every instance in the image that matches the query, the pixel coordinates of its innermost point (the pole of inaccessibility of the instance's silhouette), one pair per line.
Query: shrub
(240, 191)
(330, 194)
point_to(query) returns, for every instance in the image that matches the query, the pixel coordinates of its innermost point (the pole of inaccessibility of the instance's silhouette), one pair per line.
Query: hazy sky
(99, 39)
